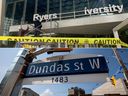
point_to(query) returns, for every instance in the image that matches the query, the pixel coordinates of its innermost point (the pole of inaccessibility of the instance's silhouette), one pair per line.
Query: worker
(37, 26)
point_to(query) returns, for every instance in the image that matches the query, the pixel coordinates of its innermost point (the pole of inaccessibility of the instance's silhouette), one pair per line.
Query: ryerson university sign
(107, 9)
(68, 67)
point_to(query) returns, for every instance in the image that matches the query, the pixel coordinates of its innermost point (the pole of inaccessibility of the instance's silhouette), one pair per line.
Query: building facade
(23, 10)
(69, 14)
(75, 91)
(27, 92)
(66, 18)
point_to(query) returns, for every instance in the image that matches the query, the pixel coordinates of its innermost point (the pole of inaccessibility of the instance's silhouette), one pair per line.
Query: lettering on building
(44, 17)
(107, 9)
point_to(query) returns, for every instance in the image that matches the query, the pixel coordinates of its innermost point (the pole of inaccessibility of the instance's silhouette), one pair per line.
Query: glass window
(8, 1)
(125, 4)
(18, 12)
(30, 9)
(79, 7)
(54, 6)
(95, 3)
(67, 6)
(80, 4)
(9, 10)
(42, 7)
(107, 2)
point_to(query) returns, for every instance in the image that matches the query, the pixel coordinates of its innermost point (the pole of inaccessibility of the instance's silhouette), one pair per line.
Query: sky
(8, 54)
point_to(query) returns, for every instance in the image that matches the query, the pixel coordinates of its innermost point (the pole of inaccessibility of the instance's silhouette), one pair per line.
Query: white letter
(76, 66)
(85, 10)
(36, 17)
(42, 17)
(66, 67)
(50, 16)
(120, 8)
(59, 68)
(52, 67)
(32, 69)
(100, 10)
(45, 69)
(106, 10)
(89, 11)
(110, 8)
(46, 17)
(38, 70)
(95, 10)
(81, 64)
(94, 62)
(114, 8)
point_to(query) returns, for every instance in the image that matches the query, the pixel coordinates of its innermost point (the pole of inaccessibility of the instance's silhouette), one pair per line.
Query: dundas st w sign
(68, 67)
(101, 10)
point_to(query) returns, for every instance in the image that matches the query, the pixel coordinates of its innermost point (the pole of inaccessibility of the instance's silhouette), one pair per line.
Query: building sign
(107, 9)
(44, 17)
(68, 67)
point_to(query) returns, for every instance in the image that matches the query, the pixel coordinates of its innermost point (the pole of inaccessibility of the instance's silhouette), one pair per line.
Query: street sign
(89, 65)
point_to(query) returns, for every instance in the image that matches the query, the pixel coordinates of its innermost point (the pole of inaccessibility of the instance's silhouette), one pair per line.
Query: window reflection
(8, 1)
(80, 4)
(18, 12)
(67, 6)
(116, 2)
(125, 4)
(95, 3)
(9, 10)
(54, 6)
(30, 9)
(42, 7)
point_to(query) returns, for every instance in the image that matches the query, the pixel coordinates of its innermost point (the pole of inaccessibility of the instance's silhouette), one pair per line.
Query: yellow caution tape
(101, 41)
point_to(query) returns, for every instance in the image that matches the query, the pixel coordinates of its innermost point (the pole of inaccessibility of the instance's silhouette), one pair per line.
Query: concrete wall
(2, 15)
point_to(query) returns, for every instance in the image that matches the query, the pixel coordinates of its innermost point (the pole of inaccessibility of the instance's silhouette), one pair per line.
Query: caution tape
(101, 41)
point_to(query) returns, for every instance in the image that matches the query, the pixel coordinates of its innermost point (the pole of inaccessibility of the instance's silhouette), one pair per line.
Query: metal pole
(125, 71)
(116, 35)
